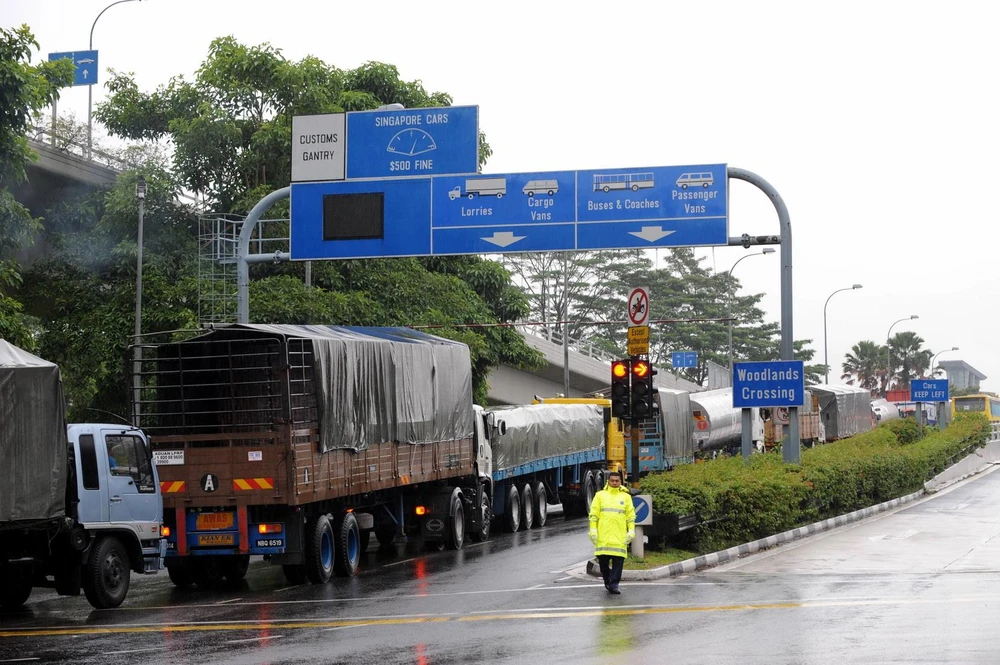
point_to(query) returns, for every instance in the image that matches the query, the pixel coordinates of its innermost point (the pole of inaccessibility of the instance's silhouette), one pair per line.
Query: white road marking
(231, 600)
(255, 639)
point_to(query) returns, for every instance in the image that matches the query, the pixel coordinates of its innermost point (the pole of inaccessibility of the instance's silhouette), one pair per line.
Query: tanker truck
(80, 505)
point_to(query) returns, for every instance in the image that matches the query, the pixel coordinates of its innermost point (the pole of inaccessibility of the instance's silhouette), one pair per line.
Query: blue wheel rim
(326, 550)
(353, 545)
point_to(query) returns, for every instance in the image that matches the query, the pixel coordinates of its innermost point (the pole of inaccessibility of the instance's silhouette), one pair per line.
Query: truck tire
(454, 536)
(234, 569)
(348, 546)
(527, 512)
(106, 579)
(512, 511)
(295, 573)
(180, 575)
(485, 517)
(541, 503)
(14, 591)
(589, 490)
(319, 550)
(385, 533)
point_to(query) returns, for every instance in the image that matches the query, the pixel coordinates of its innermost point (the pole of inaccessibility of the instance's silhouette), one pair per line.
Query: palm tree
(909, 361)
(865, 365)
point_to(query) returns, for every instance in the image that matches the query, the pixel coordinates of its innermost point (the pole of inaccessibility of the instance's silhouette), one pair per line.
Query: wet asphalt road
(918, 584)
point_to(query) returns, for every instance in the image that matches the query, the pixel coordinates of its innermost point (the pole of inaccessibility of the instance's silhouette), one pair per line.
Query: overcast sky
(875, 121)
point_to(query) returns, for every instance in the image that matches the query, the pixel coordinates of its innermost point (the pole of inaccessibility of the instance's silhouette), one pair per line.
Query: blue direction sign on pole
(86, 65)
(677, 206)
(771, 383)
(680, 359)
(412, 142)
(929, 390)
(643, 504)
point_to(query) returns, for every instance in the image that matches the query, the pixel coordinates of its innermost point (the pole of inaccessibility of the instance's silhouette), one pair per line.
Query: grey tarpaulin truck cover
(372, 384)
(33, 444)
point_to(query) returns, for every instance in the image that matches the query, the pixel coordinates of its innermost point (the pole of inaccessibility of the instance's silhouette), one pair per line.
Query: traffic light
(621, 406)
(642, 389)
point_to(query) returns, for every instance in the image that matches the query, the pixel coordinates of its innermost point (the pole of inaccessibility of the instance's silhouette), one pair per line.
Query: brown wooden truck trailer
(297, 442)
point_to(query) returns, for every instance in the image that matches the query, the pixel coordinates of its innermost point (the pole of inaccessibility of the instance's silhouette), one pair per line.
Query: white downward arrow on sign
(504, 239)
(651, 233)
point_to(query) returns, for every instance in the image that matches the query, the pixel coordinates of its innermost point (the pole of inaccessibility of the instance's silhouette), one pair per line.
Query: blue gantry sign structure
(86, 65)
(770, 383)
(628, 208)
(412, 142)
(681, 359)
(929, 390)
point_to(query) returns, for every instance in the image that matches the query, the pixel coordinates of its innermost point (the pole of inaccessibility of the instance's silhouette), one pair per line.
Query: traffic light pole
(634, 427)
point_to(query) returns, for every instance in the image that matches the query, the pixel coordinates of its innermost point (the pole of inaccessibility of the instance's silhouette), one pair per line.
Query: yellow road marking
(499, 616)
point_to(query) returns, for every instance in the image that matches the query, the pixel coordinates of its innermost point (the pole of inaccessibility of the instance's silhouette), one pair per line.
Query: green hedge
(736, 502)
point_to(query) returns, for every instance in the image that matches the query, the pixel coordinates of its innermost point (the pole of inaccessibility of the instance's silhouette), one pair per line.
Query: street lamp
(140, 194)
(766, 250)
(954, 348)
(90, 88)
(888, 351)
(825, 360)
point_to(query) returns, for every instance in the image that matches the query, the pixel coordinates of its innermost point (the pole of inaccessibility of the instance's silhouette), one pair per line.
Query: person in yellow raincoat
(612, 528)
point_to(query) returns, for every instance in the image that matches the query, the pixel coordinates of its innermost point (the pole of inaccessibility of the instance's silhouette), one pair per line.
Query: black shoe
(615, 591)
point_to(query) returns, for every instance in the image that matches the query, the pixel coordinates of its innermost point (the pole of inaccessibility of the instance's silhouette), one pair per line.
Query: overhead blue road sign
(635, 207)
(413, 142)
(929, 390)
(680, 359)
(86, 65)
(771, 383)
(542, 211)
(361, 219)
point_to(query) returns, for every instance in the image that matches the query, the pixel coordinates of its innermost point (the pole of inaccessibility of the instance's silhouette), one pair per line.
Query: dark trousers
(611, 569)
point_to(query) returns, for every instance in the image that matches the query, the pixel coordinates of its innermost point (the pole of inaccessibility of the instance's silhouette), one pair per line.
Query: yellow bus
(988, 405)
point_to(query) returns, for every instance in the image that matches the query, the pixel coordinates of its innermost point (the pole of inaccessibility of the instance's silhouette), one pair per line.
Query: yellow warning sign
(638, 334)
(638, 348)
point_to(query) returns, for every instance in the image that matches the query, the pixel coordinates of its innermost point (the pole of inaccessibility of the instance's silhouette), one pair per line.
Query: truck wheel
(590, 489)
(385, 533)
(181, 576)
(485, 517)
(541, 505)
(294, 573)
(319, 550)
(235, 568)
(348, 546)
(14, 591)
(108, 572)
(455, 534)
(512, 511)
(527, 512)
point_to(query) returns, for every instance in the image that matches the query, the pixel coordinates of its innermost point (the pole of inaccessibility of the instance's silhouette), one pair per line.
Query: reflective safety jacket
(613, 515)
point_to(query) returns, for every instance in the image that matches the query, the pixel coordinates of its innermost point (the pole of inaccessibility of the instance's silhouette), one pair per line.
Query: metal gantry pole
(790, 452)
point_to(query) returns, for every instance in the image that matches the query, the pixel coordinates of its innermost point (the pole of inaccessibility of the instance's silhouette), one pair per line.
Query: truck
(297, 443)
(80, 505)
(554, 451)
(480, 187)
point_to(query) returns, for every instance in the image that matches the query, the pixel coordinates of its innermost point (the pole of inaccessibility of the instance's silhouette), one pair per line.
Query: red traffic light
(619, 369)
(640, 369)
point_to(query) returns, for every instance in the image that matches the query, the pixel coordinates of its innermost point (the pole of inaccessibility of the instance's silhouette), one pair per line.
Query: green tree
(909, 360)
(230, 132)
(24, 90)
(865, 366)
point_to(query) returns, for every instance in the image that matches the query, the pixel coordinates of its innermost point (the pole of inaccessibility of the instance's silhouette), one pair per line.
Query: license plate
(209, 521)
(270, 542)
(207, 540)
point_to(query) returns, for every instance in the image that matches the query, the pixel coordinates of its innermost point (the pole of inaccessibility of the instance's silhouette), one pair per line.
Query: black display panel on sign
(353, 216)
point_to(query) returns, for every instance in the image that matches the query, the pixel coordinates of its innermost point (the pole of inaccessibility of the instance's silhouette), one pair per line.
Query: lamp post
(140, 194)
(766, 250)
(888, 351)
(954, 348)
(825, 360)
(90, 88)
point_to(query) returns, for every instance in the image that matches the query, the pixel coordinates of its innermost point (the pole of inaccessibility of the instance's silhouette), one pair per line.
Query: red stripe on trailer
(241, 515)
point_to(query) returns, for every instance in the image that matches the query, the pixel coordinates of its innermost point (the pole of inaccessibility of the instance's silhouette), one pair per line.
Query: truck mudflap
(223, 532)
